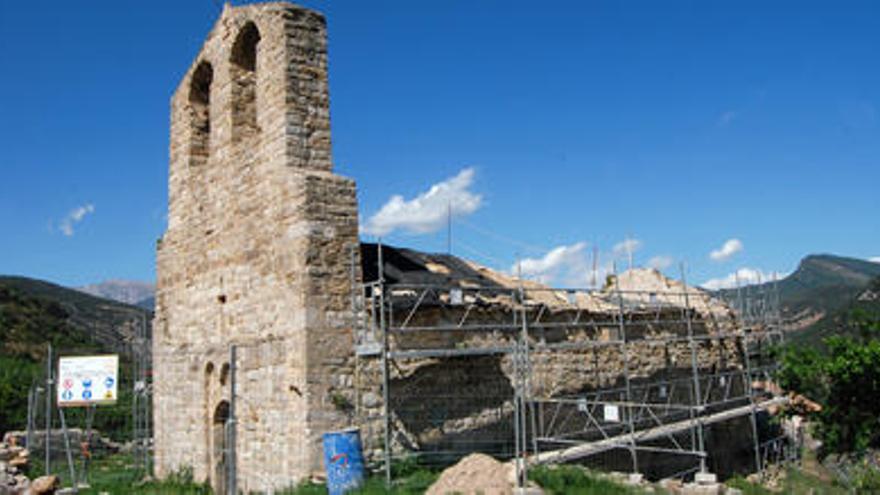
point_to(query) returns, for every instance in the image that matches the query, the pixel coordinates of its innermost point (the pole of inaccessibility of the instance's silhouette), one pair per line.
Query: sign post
(85, 381)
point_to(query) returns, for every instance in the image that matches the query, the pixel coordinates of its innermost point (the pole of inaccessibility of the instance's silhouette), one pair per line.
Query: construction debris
(476, 473)
(45, 485)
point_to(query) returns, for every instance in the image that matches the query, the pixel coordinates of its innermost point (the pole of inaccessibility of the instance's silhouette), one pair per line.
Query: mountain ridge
(815, 298)
(111, 324)
(126, 291)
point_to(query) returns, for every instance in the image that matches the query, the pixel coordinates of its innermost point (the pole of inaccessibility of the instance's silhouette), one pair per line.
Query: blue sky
(679, 125)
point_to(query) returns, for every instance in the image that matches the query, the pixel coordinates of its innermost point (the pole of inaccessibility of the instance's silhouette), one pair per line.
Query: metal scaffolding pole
(386, 419)
(630, 420)
(695, 371)
(521, 365)
(753, 416)
(354, 326)
(753, 419)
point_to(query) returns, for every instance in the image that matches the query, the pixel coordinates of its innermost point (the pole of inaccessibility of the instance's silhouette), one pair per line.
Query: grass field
(115, 474)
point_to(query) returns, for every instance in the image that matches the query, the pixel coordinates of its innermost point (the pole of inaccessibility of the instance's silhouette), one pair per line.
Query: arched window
(219, 453)
(224, 374)
(244, 82)
(221, 413)
(200, 113)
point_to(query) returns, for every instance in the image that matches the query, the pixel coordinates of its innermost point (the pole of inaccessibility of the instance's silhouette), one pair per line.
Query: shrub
(845, 380)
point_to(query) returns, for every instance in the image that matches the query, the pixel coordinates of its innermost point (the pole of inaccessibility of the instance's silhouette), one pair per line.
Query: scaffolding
(642, 380)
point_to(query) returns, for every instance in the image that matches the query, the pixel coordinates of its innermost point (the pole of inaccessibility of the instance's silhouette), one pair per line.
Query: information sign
(87, 380)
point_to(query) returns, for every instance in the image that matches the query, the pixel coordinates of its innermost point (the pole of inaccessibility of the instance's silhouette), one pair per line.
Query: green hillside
(839, 321)
(825, 283)
(33, 314)
(110, 324)
(817, 298)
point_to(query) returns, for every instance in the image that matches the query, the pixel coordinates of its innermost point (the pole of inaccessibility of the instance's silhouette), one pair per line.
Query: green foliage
(747, 487)
(115, 474)
(126, 481)
(409, 475)
(16, 376)
(34, 314)
(28, 323)
(307, 488)
(843, 318)
(610, 280)
(341, 402)
(414, 482)
(796, 482)
(559, 480)
(802, 370)
(866, 479)
(845, 380)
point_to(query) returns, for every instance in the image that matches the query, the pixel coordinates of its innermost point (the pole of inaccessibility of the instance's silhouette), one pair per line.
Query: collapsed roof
(639, 288)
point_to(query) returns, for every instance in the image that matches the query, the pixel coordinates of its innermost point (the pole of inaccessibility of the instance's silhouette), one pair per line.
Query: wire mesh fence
(68, 440)
(662, 381)
(618, 378)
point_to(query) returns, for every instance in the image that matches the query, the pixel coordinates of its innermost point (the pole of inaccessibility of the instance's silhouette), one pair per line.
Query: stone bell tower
(258, 253)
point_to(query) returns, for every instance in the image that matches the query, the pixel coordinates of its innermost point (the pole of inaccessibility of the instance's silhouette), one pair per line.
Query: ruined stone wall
(443, 405)
(257, 253)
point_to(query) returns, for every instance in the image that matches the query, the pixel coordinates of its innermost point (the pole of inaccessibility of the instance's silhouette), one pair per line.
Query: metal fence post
(67, 448)
(232, 481)
(49, 382)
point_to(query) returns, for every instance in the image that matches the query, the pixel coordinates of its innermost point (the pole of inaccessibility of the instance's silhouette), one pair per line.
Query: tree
(845, 380)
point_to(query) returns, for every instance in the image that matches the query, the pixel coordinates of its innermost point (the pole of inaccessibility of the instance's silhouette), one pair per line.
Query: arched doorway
(219, 452)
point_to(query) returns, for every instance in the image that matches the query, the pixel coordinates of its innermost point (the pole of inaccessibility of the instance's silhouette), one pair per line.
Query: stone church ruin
(274, 324)
(257, 253)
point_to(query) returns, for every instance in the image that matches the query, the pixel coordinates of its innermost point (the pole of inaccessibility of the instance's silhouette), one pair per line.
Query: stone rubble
(44, 485)
(13, 460)
(76, 436)
(476, 473)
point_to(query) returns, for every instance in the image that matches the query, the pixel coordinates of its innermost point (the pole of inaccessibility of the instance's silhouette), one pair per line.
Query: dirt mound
(476, 473)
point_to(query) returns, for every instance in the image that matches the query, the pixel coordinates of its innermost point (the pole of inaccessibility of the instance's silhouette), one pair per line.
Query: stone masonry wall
(454, 405)
(257, 253)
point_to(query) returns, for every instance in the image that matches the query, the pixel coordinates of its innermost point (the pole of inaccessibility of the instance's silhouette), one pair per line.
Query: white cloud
(726, 118)
(572, 265)
(875, 259)
(428, 211)
(75, 216)
(627, 247)
(743, 276)
(563, 264)
(660, 262)
(731, 247)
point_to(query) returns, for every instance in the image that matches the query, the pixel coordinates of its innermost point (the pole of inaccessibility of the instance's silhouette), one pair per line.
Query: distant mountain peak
(828, 269)
(126, 291)
(818, 295)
